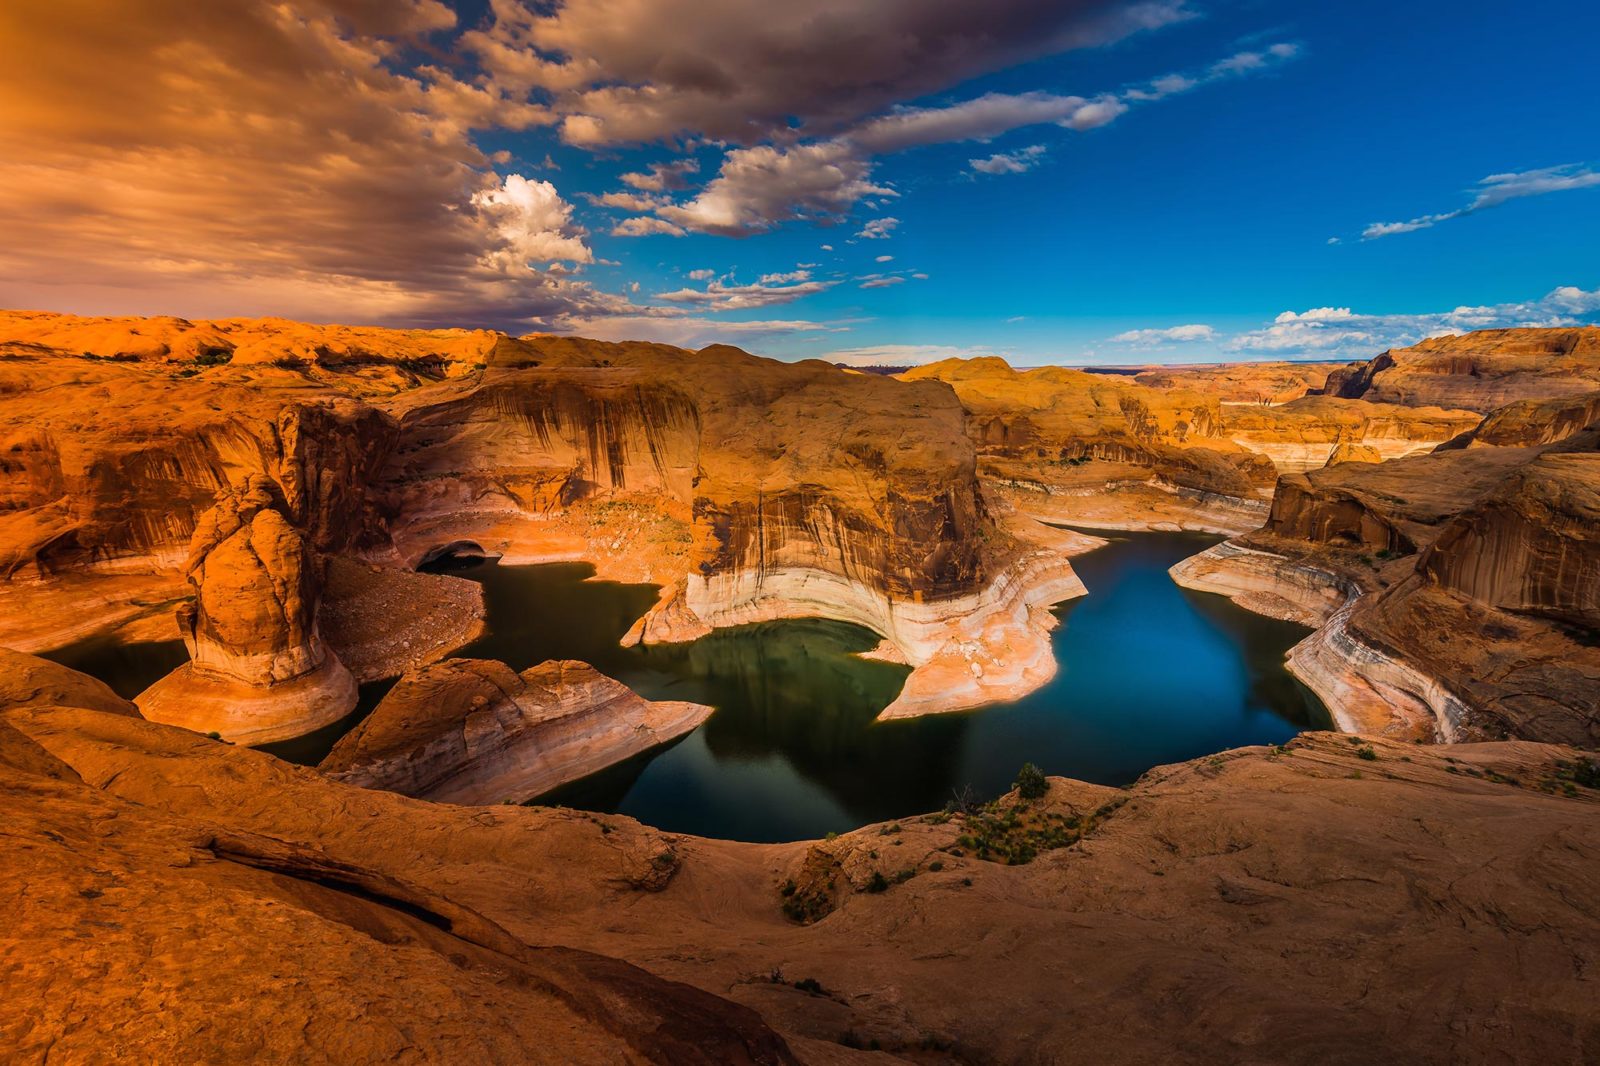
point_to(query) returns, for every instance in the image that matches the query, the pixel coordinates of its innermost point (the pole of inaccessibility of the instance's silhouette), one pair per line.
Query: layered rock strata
(258, 667)
(1103, 450)
(1479, 371)
(475, 731)
(1469, 582)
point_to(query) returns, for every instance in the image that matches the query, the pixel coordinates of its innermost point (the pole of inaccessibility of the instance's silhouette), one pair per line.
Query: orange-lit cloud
(243, 157)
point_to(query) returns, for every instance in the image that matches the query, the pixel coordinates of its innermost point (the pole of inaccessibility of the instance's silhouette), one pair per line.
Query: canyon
(277, 497)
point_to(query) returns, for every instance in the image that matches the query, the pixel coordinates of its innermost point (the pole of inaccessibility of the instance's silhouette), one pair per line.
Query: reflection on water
(1149, 674)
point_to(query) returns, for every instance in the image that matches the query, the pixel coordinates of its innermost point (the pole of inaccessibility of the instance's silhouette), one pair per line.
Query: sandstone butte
(265, 490)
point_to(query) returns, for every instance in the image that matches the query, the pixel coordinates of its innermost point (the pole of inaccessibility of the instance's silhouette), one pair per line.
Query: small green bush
(1031, 784)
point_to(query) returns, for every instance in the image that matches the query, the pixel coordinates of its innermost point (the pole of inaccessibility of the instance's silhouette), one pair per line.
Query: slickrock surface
(1308, 903)
(1471, 587)
(141, 933)
(1478, 371)
(476, 731)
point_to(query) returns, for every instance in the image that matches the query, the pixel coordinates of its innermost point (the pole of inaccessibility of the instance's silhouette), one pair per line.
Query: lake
(1150, 673)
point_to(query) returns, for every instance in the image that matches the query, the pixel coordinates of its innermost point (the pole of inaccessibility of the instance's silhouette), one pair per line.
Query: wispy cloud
(1017, 162)
(1341, 331)
(1493, 191)
(1173, 334)
(762, 186)
(721, 297)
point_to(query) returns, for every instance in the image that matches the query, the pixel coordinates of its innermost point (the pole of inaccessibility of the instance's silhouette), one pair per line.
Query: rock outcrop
(1102, 450)
(475, 731)
(1469, 580)
(1289, 903)
(258, 667)
(1261, 384)
(1478, 371)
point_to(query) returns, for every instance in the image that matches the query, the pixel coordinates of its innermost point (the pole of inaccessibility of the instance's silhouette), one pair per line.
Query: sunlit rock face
(258, 667)
(1471, 577)
(1171, 449)
(391, 446)
(257, 584)
(1478, 371)
(476, 731)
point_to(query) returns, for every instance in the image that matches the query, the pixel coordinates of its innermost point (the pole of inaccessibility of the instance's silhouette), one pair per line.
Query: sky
(884, 182)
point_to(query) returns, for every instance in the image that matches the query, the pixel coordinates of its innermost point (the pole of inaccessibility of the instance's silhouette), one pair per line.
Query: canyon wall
(1109, 451)
(391, 446)
(1469, 579)
(1478, 371)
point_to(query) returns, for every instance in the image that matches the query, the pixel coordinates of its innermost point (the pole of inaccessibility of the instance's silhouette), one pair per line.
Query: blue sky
(1082, 181)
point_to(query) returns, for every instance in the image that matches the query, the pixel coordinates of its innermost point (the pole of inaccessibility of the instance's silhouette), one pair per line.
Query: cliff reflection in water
(1150, 673)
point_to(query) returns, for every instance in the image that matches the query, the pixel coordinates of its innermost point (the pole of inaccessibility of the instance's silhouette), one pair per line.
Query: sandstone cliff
(475, 731)
(745, 487)
(1469, 580)
(1103, 450)
(1478, 371)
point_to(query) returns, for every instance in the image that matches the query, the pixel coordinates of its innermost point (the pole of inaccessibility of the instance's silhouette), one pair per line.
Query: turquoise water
(1149, 673)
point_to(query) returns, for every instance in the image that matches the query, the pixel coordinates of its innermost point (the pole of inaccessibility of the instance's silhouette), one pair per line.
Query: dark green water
(128, 669)
(1149, 674)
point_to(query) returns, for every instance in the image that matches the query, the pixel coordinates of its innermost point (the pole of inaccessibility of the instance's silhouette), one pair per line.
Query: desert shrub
(1031, 784)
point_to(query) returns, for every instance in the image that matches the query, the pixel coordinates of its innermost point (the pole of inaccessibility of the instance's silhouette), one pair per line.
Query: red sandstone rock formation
(1478, 371)
(476, 731)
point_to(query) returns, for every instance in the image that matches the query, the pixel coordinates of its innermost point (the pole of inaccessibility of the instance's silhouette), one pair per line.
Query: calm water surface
(1149, 673)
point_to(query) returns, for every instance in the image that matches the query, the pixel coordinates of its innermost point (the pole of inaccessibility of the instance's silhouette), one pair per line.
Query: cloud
(759, 187)
(629, 71)
(980, 119)
(645, 227)
(662, 177)
(1343, 332)
(702, 274)
(720, 297)
(690, 331)
(1240, 63)
(785, 279)
(1493, 191)
(1009, 162)
(533, 222)
(626, 201)
(878, 229)
(1172, 334)
(884, 259)
(882, 282)
(903, 354)
(220, 159)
